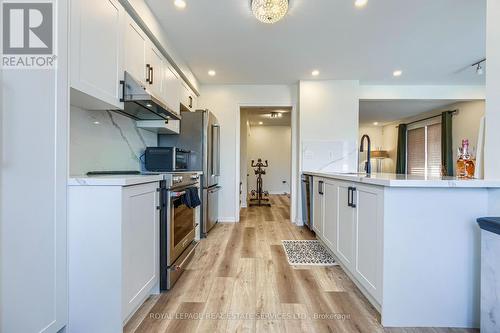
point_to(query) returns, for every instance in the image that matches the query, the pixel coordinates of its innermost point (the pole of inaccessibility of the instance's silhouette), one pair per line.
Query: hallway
(240, 281)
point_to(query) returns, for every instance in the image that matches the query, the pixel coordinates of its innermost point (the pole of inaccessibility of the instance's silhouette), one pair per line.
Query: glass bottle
(465, 164)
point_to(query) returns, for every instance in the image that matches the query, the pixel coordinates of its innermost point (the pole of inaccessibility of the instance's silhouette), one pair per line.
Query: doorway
(265, 135)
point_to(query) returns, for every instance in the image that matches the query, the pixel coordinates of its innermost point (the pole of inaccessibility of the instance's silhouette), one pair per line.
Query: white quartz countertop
(397, 180)
(113, 180)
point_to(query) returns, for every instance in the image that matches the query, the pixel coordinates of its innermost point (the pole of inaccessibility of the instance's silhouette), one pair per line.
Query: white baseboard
(299, 223)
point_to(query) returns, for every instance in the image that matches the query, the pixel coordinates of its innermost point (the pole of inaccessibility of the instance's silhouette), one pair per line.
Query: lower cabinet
(140, 245)
(330, 213)
(348, 218)
(113, 243)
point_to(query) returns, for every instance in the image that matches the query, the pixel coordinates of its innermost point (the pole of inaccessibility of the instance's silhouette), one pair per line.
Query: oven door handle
(177, 194)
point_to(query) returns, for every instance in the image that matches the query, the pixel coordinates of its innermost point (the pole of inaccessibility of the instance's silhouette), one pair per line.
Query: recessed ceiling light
(261, 123)
(360, 3)
(315, 72)
(149, 105)
(375, 123)
(96, 123)
(397, 73)
(181, 4)
(211, 72)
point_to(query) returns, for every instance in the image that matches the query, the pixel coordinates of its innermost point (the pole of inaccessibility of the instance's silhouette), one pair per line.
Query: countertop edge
(113, 181)
(409, 183)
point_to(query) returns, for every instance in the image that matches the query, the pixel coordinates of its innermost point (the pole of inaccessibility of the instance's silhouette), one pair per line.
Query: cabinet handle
(151, 76)
(349, 196)
(353, 189)
(320, 187)
(148, 72)
(190, 102)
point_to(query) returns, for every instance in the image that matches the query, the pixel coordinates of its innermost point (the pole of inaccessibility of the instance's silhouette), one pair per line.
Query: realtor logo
(28, 31)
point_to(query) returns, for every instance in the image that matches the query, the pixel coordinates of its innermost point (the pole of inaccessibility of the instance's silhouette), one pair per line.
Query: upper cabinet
(172, 88)
(188, 98)
(136, 45)
(96, 52)
(155, 77)
(105, 42)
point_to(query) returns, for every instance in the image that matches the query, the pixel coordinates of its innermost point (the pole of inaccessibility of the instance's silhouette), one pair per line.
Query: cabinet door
(345, 231)
(135, 50)
(330, 213)
(368, 226)
(188, 98)
(172, 90)
(156, 76)
(140, 244)
(96, 49)
(318, 206)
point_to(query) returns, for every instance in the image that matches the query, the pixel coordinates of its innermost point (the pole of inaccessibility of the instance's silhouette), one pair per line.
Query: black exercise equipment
(259, 193)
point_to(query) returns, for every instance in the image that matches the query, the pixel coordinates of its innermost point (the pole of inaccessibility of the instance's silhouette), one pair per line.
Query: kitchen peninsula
(410, 243)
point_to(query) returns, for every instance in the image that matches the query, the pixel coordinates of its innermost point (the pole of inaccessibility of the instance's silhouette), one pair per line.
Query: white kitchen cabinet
(96, 53)
(113, 234)
(188, 98)
(346, 229)
(172, 88)
(330, 212)
(155, 65)
(140, 245)
(348, 218)
(136, 43)
(368, 224)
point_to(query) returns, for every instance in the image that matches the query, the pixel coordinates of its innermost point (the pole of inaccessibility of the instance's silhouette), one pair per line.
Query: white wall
(225, 101)
(244, 132)
(105, 140)
(492, 137)
(329, 125)
(271, 143)
(465, 125)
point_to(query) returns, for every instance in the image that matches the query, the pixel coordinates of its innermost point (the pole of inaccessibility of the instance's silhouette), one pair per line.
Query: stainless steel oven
(181, 226)
(177, 227)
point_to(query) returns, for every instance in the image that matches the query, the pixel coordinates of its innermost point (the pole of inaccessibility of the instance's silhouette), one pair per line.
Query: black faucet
(368, 164)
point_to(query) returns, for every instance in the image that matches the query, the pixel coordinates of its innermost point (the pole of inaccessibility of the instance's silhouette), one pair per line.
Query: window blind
(416, 151)
(434, 150)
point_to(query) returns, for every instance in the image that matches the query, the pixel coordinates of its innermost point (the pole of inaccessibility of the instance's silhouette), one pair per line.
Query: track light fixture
(479, 68)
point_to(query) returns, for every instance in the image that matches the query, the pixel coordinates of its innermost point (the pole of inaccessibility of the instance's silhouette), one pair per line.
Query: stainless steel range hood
(140, 104)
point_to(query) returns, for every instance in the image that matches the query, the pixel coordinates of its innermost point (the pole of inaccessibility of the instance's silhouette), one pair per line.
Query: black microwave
(166, 159)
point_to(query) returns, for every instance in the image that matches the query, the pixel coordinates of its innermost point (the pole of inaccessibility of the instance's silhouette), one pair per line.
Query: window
(424, 150)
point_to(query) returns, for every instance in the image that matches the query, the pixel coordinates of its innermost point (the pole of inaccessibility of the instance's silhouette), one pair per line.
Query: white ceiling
(432, 41)
(263, 114)
(385, 112)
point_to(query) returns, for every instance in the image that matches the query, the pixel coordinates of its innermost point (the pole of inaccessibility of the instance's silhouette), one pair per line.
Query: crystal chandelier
(269, 11)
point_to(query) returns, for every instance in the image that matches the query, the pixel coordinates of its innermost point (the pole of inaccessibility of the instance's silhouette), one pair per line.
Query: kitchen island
(411, 244)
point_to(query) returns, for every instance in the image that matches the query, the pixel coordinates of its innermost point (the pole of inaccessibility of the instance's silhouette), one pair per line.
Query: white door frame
(294, 159)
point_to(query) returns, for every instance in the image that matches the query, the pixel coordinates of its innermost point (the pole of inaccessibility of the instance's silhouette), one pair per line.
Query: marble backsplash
(105, 140)
(329, 156)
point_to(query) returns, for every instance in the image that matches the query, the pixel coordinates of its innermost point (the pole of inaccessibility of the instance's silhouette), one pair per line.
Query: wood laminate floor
(240, 281)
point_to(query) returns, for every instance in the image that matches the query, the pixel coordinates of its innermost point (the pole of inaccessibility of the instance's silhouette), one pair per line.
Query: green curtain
(401, 157)
(446, 144)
